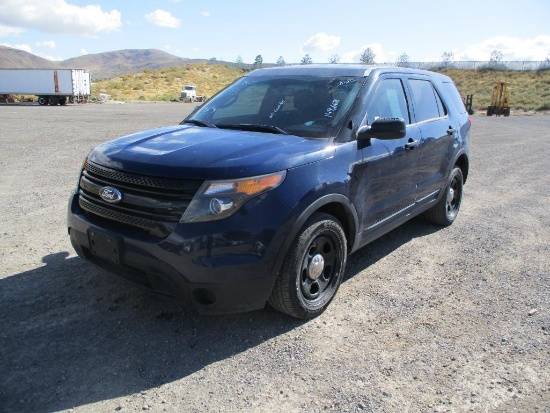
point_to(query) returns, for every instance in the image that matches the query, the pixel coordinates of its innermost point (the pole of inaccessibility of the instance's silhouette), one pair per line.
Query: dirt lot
(428, 319)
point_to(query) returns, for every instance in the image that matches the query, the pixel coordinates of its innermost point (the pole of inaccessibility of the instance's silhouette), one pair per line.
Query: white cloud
(10, 31)
(57, 16)
(163, 18)
(49, 57)
(27, 48)
(321, 42)
(205, 13)
(83, 52)
(48, 44)
(381, 56)
(512, 48)
(24, 47)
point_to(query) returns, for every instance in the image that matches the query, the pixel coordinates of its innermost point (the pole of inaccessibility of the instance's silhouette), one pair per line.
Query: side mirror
(383, 128)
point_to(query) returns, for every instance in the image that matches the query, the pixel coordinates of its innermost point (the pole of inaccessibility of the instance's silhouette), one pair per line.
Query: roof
(336, 70)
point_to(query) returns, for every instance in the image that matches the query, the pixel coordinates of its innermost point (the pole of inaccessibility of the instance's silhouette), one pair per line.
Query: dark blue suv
(262, 192)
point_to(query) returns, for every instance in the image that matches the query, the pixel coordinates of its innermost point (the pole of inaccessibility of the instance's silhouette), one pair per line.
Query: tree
(334, 59)
(447, 58)
(496, 57)
(545, 65)
(367, 56)
(495, 61)
(306, 60)
(258, 61)
(212, 60)
(403, 60)
(281, 61)
(239, 60)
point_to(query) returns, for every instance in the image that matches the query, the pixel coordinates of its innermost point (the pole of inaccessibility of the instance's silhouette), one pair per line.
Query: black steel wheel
(446, 210)
(53, 100)
(42, 100)
(313, 269)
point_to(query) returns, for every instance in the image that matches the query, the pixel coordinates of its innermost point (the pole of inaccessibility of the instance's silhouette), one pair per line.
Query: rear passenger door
(432, 118)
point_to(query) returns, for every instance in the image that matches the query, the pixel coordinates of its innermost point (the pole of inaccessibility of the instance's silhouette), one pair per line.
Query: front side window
(427, 104)
(388, 101)
(306, 106)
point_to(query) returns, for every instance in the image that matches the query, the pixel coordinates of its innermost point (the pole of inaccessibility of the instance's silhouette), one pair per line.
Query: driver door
(386, 184)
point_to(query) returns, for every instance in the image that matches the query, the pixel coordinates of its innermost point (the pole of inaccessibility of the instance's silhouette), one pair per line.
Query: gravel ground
(427, 320)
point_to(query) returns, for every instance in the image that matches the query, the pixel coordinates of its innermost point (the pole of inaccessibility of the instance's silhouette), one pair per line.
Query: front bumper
(220, 267)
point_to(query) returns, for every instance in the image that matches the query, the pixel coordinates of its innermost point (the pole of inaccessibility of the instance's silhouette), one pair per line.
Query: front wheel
(313, 268)
(446, 210)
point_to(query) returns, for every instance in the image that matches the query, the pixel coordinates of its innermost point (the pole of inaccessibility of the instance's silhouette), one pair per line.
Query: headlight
(221, 199)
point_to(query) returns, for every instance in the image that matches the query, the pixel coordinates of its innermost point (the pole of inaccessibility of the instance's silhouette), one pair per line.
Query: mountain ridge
(105, 65)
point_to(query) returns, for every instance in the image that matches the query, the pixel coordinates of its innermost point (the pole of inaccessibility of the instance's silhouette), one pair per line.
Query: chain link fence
(502, 65)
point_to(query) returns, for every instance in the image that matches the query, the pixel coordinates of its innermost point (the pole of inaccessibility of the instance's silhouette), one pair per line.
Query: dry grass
(166, 84)
(529, 90)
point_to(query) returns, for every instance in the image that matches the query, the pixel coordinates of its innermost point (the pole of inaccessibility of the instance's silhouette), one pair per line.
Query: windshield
(306, 106)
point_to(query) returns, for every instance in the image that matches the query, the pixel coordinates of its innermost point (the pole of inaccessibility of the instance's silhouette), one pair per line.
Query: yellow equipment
(499, 101)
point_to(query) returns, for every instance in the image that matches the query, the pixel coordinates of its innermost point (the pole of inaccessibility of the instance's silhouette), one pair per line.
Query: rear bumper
(218, 268)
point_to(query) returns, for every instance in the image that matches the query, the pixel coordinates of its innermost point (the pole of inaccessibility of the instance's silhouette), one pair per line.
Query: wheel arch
(464, 164)
(337, 205)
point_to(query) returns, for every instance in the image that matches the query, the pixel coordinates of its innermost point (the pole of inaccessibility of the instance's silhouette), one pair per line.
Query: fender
(465, 166)
(352, 223)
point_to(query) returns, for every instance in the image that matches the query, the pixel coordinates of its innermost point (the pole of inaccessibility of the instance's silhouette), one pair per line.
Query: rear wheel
(446, 210)
(42, 100)
(313, 269)
(53, 100)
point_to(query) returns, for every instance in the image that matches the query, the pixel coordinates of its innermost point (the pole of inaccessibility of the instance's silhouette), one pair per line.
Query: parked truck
(51, 86)
(189, 94)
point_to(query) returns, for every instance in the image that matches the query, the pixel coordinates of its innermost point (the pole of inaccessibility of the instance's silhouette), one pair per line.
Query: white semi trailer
(51, 86)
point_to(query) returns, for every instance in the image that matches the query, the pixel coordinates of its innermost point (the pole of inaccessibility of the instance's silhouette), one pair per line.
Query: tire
(63, 100)
(42, 100)
(52, 100)
(446, 210)
(312, 270)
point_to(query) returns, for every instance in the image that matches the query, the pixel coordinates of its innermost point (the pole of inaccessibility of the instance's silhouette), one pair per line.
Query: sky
(226, 30)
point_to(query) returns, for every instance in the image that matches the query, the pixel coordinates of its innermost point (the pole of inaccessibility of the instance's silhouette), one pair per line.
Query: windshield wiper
(255, 128)
(197, 122)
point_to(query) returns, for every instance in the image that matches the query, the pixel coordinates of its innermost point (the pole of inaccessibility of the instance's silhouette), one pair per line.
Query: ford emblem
(110, 194)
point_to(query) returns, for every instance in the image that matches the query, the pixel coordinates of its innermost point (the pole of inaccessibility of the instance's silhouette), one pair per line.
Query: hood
(208, 153)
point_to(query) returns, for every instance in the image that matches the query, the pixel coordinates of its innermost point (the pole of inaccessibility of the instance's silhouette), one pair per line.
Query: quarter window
(427, 103)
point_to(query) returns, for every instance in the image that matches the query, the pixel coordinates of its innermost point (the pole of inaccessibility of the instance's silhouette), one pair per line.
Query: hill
(112, 64)
(101, 66)
(166, 84)
(19, 59)
(150, 74)
(529, 90)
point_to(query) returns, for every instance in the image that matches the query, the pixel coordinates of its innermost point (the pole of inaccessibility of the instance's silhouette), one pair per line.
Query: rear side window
(388, 101)
(450, 88)
(427, 103)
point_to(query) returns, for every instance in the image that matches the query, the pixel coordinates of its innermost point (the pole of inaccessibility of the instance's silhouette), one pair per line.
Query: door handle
(412, 144)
